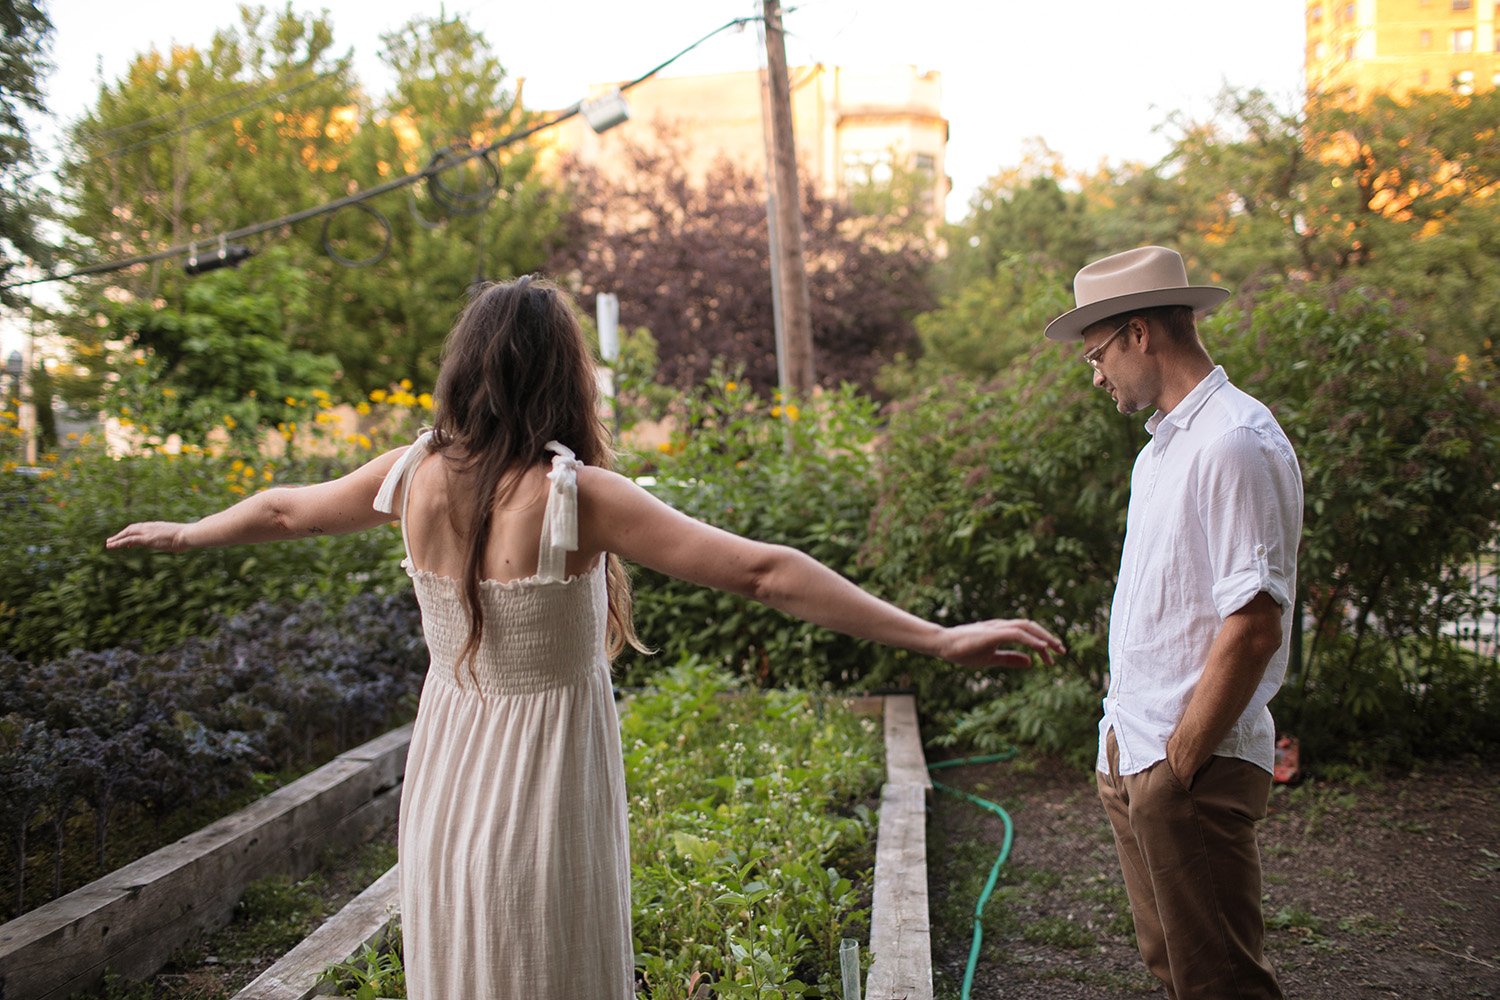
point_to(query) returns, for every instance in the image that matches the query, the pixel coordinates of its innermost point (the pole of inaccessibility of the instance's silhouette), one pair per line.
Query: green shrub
(1400, 454)
(776, 472)
(63, 590)
(1008, 497)
(1004, 498)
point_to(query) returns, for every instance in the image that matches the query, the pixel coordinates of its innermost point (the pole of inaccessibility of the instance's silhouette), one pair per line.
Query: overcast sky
(1093, 78)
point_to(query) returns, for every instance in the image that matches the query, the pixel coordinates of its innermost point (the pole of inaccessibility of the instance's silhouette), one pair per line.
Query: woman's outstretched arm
(333, 508)
(615, 515)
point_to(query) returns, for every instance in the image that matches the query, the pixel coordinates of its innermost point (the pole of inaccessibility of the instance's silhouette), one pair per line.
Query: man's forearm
(1236, 663)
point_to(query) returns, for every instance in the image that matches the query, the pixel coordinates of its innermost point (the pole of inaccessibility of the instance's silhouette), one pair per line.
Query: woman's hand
(979, 644)
(164, 536)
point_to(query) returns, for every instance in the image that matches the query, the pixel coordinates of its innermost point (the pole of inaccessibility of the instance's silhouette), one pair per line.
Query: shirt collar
(1182, 414)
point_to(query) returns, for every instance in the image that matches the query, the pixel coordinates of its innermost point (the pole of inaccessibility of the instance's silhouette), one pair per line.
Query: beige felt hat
(1136, 279)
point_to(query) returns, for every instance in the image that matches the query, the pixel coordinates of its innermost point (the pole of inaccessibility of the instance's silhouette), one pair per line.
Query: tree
(988, 322)
(25, 32)
(690, 263)
(1399, 194)
(220, 358)
(265, 121)
(481, 219)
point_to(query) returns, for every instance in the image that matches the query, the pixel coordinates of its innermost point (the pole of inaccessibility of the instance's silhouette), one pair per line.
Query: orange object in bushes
(1288, 769)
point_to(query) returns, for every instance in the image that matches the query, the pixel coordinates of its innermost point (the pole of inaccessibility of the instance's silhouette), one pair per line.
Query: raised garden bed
(901, 964)
(132, 920)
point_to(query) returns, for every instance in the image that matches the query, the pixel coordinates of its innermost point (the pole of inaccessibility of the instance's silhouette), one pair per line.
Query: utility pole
(788, 264)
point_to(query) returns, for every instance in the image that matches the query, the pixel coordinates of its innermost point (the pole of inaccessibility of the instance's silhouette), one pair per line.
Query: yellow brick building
(850, 125)
(1359, 48)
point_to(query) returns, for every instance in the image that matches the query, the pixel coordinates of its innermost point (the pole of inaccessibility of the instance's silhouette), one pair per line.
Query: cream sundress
(515, 868)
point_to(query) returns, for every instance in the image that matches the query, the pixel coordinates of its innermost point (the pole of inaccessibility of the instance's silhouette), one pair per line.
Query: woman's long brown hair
(516, 373)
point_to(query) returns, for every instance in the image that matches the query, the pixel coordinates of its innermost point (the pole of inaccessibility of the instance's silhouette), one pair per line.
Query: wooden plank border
(345, 934)
(133, 919)
(900, 927)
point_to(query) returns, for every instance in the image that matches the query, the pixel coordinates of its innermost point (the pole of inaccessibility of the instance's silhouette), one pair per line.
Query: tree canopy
(690, 263)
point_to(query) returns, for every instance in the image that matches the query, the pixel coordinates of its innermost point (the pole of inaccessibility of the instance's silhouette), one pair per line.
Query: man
(1199, 628)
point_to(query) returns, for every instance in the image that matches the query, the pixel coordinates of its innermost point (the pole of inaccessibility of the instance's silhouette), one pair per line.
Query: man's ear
(1140, 332)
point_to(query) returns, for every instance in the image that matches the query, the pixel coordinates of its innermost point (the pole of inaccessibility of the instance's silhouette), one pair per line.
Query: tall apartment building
(1364, 47)
(850, 125)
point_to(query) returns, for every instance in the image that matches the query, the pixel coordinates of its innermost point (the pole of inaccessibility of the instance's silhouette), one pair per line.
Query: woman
(515, 877)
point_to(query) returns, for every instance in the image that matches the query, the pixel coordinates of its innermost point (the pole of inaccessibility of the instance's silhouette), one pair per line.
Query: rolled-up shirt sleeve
(1250, 506)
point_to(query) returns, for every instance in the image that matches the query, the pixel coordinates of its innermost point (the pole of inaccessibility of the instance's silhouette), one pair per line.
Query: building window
(1426, 38)
(1463, 82)
(1349, 52)
(1463, 4)
(925, 162)
(1426, 77)
(1463, 40)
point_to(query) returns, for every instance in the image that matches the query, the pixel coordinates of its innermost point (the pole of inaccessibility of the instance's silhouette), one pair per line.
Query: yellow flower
(168, 392)
(378, 396)
(406, 384)
(362, 408)
(291, 401)
(248, 472)
(1461, 363)
(266, 475)
(230, 422)
(665, 447)
(792, 413)
(731, 386)
(364, 441)
(425, 401)
(237, 464)
(776, 412)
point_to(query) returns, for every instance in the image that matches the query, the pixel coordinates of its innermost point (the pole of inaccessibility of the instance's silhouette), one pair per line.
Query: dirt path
(1375, 887)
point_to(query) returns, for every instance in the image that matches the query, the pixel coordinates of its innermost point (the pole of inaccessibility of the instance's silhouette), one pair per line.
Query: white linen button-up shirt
(1215, 517)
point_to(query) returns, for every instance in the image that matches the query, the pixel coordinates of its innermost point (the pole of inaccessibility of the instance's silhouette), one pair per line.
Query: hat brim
(1070, 325)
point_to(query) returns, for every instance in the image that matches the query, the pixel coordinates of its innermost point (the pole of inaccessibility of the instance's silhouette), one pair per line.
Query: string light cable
(438, 164)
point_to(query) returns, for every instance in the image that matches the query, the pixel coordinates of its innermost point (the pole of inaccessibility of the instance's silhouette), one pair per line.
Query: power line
(433, 167)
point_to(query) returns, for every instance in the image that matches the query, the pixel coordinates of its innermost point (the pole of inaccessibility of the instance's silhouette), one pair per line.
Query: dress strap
(385, 500)
(560, 521)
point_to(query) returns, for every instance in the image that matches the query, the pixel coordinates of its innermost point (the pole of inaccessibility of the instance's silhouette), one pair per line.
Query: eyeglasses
(1092, 356)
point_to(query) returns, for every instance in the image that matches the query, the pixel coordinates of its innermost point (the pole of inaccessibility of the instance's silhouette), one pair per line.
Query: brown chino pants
(1192, 870)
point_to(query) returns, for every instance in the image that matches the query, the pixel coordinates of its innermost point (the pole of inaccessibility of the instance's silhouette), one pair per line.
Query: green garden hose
(1010, 830)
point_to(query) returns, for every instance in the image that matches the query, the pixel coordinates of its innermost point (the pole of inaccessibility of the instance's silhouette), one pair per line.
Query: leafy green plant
(749, 832)
(748, 827)
(376, 971)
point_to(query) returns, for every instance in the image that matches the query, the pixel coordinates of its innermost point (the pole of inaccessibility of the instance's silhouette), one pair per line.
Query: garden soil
(1375, 887)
